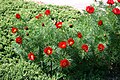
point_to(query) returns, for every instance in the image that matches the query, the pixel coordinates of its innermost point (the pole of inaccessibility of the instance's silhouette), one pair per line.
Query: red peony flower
(70, 41)
(19, 40)
(100, 22)
(118, 1)
(101, 47)
(14, 30)
(18, 16)
(62, 44)
(90, 9)
(48, 50)
(110, 2)
(116, 11)
(47, 12)
(85, 47)
(79, 35)
(38, 16)
(58, 24)
(64, 63)
(31, 56)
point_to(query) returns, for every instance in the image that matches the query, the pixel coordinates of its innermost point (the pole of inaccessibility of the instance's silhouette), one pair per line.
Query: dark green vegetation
(14, 64)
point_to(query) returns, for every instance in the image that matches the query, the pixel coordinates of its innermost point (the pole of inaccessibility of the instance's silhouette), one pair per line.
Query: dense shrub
(28, 29)
(12, 66)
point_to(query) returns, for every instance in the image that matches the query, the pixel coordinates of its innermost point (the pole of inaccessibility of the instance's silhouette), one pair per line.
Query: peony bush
(64, 43)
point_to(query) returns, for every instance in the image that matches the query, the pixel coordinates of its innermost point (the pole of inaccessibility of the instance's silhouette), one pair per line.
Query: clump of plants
(65, 43)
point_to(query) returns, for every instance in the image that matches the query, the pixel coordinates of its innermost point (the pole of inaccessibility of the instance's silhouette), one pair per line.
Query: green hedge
(14, 63)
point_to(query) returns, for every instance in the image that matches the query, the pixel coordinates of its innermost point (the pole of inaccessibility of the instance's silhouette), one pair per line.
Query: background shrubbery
(14, 62)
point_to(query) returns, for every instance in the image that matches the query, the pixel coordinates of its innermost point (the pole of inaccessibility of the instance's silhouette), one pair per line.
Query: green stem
(51, 69)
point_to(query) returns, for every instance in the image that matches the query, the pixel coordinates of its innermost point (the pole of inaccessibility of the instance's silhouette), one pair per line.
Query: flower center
(71, 42)
(59, 25)
(64, 63)
(14, 30)
(48, 51)
(63, 45)
(32, 57)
